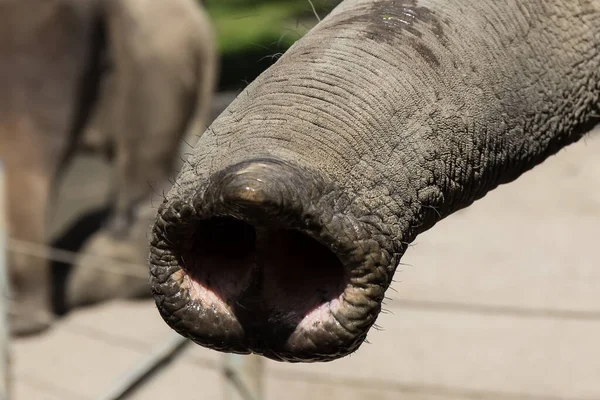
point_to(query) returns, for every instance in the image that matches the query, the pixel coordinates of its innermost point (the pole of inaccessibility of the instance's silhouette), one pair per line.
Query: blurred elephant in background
(129, 78)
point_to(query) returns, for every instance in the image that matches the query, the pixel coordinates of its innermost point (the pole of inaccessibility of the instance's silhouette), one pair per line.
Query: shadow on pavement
(72, 239)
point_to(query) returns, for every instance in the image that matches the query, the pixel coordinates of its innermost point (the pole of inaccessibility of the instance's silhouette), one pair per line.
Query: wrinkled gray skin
(126, 77)
(286, 225)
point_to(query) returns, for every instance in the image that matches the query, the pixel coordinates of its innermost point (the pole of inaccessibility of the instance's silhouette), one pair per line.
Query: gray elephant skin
(285, 227)
(129, 78)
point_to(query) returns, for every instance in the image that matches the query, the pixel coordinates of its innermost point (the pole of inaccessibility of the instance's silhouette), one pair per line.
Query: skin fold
(385, 118)
(88, 73)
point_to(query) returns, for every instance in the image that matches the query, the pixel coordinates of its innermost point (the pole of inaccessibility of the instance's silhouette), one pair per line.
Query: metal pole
(243, 377)
(4, 295)
(147, 367)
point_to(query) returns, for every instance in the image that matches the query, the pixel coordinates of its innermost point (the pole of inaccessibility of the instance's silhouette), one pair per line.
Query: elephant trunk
(285, 226)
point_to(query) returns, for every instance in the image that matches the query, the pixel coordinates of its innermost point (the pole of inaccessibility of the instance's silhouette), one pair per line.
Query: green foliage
(252, 34)
(274, 24)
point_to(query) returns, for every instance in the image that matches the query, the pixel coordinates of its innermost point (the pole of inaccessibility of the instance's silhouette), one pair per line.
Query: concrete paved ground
(499, 301)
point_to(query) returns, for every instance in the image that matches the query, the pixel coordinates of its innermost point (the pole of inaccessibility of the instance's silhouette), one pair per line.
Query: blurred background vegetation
(252, 34)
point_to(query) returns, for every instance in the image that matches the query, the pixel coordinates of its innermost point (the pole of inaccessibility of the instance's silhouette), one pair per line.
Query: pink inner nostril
(288, 273)
(221, 257)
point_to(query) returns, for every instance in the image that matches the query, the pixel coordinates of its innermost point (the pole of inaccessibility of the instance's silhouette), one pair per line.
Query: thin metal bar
(140, 374)
(100, 262)
(243, 377)
(4, 296)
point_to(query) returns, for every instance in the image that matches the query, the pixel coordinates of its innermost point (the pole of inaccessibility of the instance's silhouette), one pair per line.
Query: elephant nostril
(264, 273)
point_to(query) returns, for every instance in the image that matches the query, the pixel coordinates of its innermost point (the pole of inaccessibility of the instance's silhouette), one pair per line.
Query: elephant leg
(49, 75)
(151, 115)
(164, 72)
(28, 196)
